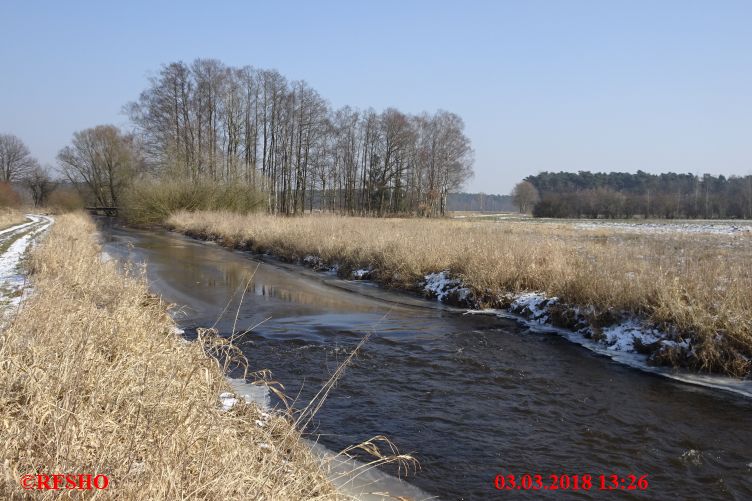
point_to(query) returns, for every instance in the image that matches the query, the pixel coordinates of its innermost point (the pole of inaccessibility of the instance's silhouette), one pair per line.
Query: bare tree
(102, 159)
(525, 196)
(206, 120)
(40, 185)
(15, 159)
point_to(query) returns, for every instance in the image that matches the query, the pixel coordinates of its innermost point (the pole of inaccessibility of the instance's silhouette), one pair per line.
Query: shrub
(65, 200)
(8, 196)
(152, 201)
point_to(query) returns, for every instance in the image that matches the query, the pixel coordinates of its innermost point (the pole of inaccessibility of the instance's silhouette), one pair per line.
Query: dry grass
(94, 380)
(698, 285)
(10, 217)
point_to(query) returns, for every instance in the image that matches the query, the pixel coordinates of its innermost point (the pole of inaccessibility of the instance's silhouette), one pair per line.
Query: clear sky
(542, 85)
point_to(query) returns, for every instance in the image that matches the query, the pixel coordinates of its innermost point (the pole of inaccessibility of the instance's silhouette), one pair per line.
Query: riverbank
(95, 380)
(678, 298)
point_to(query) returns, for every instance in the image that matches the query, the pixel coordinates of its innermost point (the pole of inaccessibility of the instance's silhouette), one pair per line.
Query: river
(469, 396)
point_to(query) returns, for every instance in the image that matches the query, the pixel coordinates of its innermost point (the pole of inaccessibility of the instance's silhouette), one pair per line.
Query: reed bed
(695, 285)
(94, 379)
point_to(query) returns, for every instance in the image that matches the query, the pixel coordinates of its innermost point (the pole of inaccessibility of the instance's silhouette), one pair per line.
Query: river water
(469, 396)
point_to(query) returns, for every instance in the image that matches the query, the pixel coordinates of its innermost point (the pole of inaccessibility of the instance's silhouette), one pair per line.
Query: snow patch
(227, 400)
(441, 286)
(361, 274)
(690, 228)
(533, 306)
(621, 336)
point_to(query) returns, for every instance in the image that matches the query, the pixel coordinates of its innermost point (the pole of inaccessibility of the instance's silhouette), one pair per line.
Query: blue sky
(541, 85)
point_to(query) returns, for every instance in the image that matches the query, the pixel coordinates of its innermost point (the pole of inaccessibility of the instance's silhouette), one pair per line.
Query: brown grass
(94, 380)
(698, 285)
(10, 217)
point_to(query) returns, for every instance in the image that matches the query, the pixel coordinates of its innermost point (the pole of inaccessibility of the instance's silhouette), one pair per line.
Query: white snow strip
(714, 228)
(17, 227)
(12, 280)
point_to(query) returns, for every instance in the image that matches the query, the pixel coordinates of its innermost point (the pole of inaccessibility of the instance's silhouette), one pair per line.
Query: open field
(692, 286)
(95, 380)
(636, 225)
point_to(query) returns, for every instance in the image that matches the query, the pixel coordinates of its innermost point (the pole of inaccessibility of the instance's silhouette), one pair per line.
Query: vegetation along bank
(680, 298)
(95, 379)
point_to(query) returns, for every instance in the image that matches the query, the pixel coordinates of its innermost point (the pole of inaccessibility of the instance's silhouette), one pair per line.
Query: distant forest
(480, 202)
(625, 195)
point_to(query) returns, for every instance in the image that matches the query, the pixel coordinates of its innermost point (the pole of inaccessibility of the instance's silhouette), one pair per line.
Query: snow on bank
(440, 286)
(362, 274)
(625, 336)
(629, 341)
(536, 309)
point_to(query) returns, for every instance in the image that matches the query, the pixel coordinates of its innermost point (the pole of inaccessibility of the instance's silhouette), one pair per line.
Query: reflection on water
(470, 396)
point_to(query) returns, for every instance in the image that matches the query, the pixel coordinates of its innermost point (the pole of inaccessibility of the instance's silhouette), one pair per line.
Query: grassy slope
(93, 380)
(696, 284)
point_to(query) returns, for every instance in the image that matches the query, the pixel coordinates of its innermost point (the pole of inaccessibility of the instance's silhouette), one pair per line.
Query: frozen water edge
(363, 482)
(621, 351)
(351, 477)
(615, 341)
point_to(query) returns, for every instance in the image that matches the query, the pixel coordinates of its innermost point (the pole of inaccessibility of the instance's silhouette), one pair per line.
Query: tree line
(209, 121)
(18, 168)
(624, 195)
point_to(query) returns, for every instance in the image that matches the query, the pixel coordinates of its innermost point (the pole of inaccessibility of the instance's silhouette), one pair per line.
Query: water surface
(470, 396)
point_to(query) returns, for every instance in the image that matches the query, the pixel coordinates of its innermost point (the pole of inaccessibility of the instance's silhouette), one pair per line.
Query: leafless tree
(40, 184)
(210, 121)
(15, 159)
(102, 159)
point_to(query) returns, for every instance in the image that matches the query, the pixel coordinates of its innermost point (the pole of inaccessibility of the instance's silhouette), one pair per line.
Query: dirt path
(14, 242)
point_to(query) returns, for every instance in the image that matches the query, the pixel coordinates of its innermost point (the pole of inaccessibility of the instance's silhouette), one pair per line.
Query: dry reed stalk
(93, 379)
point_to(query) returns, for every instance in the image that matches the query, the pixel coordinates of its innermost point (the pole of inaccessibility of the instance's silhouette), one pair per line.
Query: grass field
(10, 217)
(94, 379)
(694, 284)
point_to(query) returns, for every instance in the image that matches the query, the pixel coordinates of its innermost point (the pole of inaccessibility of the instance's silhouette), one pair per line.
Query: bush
(152, 201)
(8, 196)
(65, 200)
